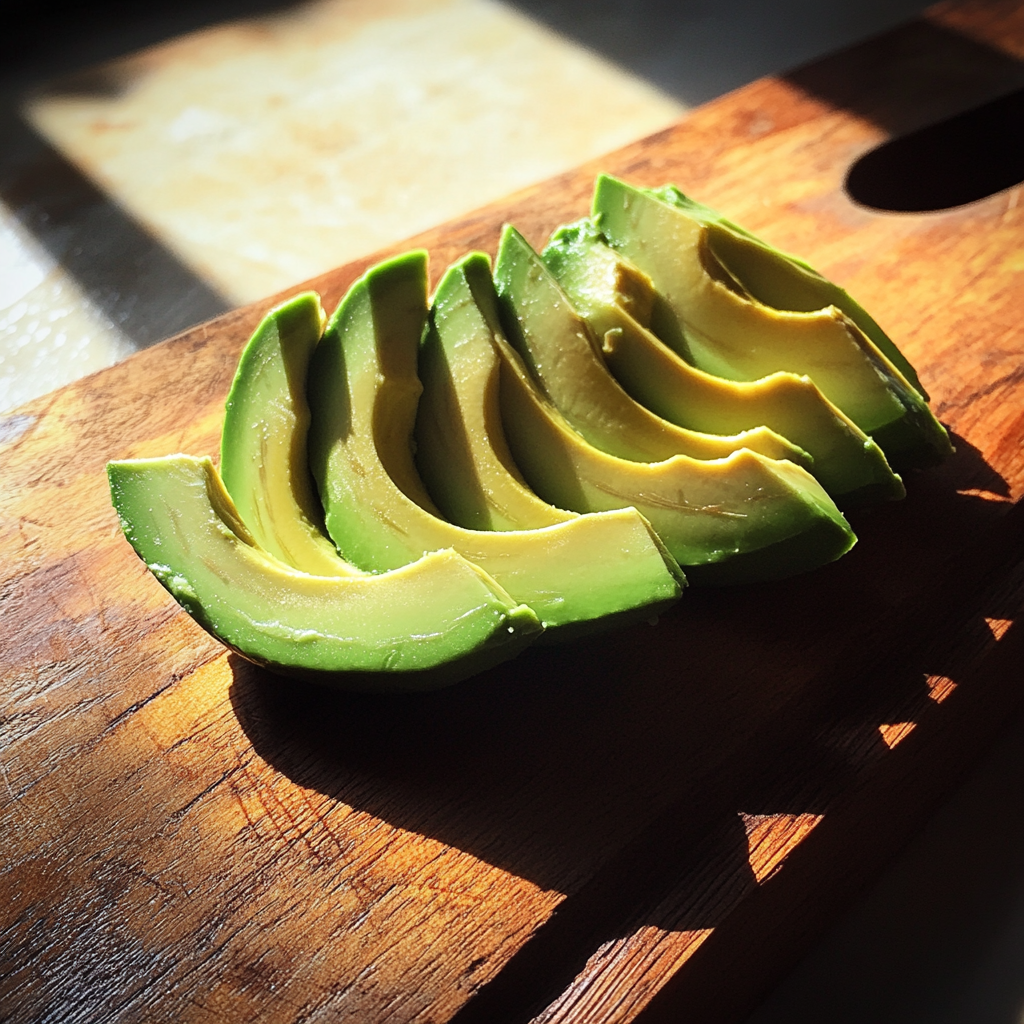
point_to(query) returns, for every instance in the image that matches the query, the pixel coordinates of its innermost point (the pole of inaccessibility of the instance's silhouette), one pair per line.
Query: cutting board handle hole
(960, 160)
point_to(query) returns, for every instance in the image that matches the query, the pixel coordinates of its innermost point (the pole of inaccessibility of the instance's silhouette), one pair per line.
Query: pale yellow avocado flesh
(263, 456)
(426, 625)
(617, 299)
(583, 574)
(731, 520)
(736, 338)
(461, 451)
(716, 324)
(784, 281)
(564, 358)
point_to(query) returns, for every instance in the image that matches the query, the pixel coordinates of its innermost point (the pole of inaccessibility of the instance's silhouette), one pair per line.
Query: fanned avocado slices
(716, 288)
(426, 625)
(744, 517)
(461, 451)
(617, 298)
(564, 525)
(587, 573)
(263, 457)
(564, 357)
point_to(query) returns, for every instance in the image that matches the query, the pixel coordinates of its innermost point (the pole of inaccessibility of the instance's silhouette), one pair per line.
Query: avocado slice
(563, 355)
(739, 519)
(461, 451)
(426, 625)
(781, 280)
(616, 298)
(263, 458)
(587, 573)
(709, 310)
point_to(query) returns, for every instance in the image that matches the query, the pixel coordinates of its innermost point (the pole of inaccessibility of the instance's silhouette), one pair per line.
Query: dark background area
(692, 49)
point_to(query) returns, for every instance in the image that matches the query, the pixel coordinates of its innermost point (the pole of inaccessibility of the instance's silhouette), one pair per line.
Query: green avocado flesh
(461, 451)
(564, 358)
(780, 280)
(709, 310)
(580, 575)
(423, 626)
(616, 298)
(411, 495)
(263, 443)
(733, 520)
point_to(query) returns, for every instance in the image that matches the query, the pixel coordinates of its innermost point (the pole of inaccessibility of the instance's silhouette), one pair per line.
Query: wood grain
(187, 837)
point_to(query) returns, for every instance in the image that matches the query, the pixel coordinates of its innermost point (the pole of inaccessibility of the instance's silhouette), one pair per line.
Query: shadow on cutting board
(606, 770)
(946, 164)
(908, 83)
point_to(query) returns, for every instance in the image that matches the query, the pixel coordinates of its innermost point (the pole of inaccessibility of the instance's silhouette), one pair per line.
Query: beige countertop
(254, 154)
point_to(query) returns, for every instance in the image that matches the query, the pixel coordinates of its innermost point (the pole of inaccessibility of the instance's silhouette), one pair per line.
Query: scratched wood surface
(186, 837)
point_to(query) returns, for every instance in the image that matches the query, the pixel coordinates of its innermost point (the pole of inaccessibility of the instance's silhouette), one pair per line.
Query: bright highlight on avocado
(413, 494)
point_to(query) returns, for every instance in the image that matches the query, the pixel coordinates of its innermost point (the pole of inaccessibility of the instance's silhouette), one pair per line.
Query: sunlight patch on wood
(998, 626)
(772, 837)
(895, 732)
(940, 687)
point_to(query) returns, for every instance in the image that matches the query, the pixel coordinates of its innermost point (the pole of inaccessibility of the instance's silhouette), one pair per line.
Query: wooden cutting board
(650, 824)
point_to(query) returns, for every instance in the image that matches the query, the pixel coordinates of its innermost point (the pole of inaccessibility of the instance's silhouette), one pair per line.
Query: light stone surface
(249, 156)
(264, 152)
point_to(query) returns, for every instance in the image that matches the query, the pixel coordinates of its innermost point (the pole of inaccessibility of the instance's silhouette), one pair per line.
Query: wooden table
(648, 825)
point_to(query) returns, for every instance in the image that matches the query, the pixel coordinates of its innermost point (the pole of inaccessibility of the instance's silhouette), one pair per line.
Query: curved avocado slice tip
(617, 298)
(708, 275)
(427, 625)
(581, 575)
(461, 450)
(564, 358)
(263, 457)
(781, 280)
